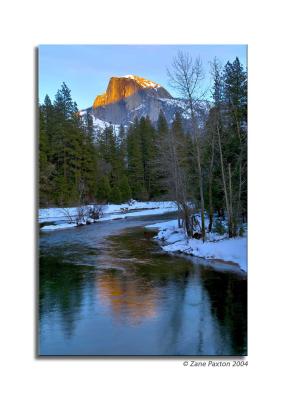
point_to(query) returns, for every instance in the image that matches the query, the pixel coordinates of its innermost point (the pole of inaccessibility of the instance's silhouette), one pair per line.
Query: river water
(108, 289)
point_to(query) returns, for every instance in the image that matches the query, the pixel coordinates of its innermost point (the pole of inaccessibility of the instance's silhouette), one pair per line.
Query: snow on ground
(217, 247)
(58, 217)
(157, 211)
(49, 228)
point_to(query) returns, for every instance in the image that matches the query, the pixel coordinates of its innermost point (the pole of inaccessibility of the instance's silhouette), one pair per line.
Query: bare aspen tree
(185, 76)
(222, 171)
(172, 161)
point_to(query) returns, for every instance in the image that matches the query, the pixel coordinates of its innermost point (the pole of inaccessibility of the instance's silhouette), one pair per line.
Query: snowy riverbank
(63, 218)
(173, 239)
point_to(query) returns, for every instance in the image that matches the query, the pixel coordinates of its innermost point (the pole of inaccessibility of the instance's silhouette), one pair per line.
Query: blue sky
(86, 69)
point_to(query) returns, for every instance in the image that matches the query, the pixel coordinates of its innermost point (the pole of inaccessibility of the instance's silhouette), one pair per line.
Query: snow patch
(146, 83)
(99, 124)
(48, 228)
(173, 239)
(137, 108)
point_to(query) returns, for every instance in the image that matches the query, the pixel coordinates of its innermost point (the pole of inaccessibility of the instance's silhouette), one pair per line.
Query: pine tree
(124, 189)
(235, 138)
(146, 133)
(68, 142)
(64, 105)
(235, 90)
(43, 159)
(115, 195)
(122, 151)
(161, 133)
(89, 159)
(103, 189)
(71, 153)
(135, 162)
(162, 125)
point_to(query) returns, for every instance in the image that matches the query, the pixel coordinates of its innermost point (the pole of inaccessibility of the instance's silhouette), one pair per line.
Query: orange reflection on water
(128, 298)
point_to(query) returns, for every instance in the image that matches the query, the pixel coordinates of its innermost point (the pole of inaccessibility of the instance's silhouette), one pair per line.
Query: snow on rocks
(216, 247)
(100, 125)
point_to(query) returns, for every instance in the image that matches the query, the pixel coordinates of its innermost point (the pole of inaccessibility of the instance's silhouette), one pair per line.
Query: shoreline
(56, 218)
(217, 249)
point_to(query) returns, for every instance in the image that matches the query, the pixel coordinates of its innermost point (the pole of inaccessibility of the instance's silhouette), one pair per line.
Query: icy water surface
(107, 289)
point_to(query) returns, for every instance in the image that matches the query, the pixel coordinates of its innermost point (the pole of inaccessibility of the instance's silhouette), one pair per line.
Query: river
(108, 289)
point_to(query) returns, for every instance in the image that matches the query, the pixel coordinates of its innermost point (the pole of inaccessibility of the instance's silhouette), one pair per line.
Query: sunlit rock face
(128, 86)
(130, 97)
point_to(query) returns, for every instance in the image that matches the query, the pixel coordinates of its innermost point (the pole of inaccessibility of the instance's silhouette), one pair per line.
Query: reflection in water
(132, 299)
(62, 288)
(228, 299)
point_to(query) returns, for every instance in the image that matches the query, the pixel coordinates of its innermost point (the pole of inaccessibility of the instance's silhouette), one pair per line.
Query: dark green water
(106, 289)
